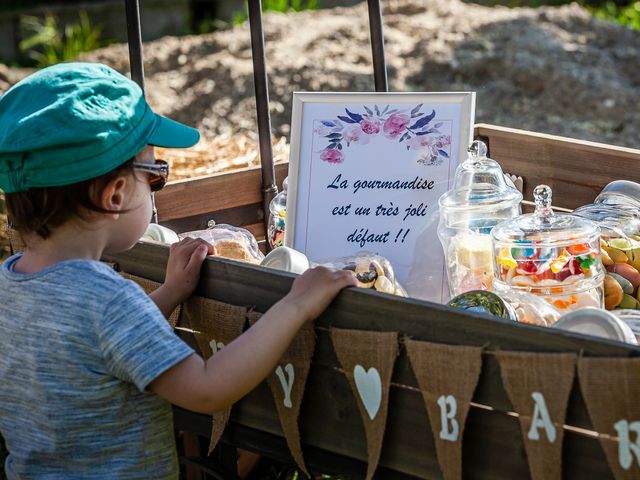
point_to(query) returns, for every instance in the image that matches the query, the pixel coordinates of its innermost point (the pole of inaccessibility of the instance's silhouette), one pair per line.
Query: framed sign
(365, 174)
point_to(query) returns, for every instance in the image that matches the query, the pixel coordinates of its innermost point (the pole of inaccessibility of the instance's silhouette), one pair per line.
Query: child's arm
(241, 365)
(183, 273)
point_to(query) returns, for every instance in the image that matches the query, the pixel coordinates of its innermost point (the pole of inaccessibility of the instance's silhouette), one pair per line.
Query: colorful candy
(621, 257)
(555, 273)
(276, 229)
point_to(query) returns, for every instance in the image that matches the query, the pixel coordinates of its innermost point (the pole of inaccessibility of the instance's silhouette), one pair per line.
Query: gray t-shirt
(79, 344)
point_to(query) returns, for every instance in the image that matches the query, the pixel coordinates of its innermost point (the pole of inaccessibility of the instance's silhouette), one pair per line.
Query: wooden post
(269, 188)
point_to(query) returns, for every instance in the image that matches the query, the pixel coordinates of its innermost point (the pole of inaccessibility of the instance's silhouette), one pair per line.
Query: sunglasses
(158, 173)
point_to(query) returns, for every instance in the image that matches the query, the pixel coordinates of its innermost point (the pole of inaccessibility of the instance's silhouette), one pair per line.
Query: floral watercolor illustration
(415, 129)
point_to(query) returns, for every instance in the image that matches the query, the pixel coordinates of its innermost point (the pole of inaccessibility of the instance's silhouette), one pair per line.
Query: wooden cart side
(232, 197)
(330, 419)
(576, 169)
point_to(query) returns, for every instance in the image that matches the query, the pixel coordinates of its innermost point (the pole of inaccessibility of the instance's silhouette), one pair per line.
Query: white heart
(215, 346)
(369, 388)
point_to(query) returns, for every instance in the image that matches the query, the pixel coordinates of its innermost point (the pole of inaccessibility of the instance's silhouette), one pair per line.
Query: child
(88, 364)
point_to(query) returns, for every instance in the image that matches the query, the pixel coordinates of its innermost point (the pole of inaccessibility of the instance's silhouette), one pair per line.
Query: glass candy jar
(616, 210)
(554, 256)
(277, 217)
(480, 199)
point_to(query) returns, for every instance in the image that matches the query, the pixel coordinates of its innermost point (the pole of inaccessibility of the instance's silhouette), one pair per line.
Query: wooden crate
(331, 429)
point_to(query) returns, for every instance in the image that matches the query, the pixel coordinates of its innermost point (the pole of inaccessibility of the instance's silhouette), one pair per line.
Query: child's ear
(113, 195)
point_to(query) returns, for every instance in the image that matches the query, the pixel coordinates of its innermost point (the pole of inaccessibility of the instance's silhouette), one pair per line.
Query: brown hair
(42, 210)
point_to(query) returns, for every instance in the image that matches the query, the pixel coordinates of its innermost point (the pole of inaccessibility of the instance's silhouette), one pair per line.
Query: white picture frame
(389, 138)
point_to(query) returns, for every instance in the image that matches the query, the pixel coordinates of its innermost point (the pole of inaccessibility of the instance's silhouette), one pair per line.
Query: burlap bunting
(214, 325)
(539, 386)
(611, 390)
(447, 376)
(149, 286)
(368, 359)
(287, 385)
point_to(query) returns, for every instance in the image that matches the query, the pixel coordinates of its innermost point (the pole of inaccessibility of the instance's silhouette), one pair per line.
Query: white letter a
(541, 419)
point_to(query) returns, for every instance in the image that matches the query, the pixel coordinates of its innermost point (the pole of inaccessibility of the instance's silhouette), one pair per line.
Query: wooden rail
(233, 197)
(330, 422)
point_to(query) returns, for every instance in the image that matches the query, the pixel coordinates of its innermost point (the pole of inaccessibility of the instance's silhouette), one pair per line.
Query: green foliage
(283, 6)
(627, 15)
(48, 43)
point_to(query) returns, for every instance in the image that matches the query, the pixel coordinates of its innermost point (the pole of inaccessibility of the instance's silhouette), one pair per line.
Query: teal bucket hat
(75, 121)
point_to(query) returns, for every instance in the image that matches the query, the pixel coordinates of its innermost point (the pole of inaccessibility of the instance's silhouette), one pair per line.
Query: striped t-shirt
(79, 344)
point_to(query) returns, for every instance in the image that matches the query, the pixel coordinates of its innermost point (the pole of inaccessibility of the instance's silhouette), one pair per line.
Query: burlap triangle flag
(368, 359)
(539, 386)
(287, 385)
(611, 390)
(447, 376)
(214, 325)
(149, 286)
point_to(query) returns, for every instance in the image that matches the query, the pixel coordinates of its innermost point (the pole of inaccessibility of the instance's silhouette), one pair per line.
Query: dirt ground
(554, 69)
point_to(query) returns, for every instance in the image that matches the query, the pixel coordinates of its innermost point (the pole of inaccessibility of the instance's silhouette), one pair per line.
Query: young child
(88, 364)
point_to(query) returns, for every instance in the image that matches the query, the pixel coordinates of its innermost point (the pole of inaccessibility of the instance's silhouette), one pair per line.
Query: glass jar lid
(479, 183)
(623, 193)
(612, 220)
(544, 228)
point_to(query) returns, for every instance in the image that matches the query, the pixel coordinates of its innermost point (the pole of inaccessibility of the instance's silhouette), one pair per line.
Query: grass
(47, 42)
(282, 6)
(626, 15)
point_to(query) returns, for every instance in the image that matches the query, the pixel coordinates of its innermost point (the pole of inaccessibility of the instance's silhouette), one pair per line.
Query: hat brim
(171, 134)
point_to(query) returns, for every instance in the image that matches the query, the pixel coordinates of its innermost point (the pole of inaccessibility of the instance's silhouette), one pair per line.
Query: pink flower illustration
(370, 127)
(420, 142)
(443, 141)
(414, 131)
(332, 155)
(396, 124)
(354, 134)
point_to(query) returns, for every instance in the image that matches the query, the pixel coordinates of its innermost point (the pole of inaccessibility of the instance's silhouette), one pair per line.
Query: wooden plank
(274, 446)
(575, 169)
(496, 450)
(186, 198)
(237, 216)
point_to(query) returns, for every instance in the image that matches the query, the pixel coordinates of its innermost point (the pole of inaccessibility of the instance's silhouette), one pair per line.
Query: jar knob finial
(542, 196)
(478, 149)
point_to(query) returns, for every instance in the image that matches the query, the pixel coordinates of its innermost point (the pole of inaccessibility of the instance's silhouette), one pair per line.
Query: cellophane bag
(371, 271)
(230, 242)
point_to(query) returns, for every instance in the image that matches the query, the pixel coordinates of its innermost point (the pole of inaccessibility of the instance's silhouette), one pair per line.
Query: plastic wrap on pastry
(230, 242)
(371, 271)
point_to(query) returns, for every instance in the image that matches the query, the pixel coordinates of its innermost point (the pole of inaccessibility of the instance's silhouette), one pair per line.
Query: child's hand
(313, 291)
(183, 267)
